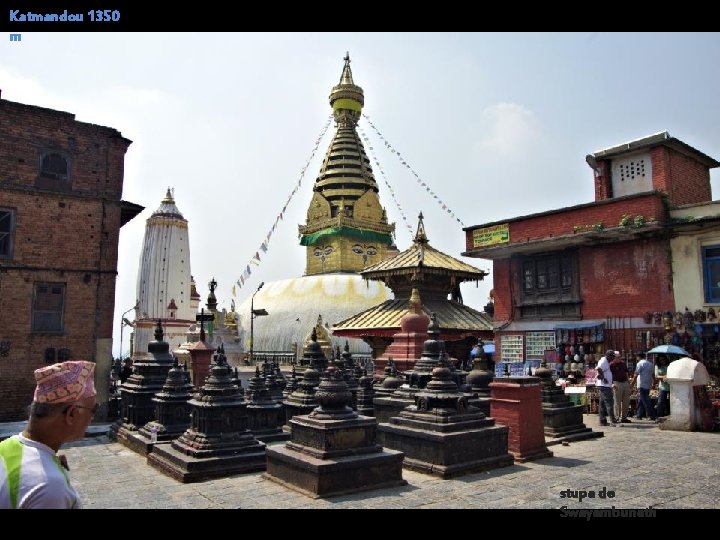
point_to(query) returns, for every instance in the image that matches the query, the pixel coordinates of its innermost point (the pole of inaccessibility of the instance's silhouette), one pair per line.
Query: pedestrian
(127, 370)
(604, 384)
(32, 474)
(661, 366)
(621, 389)
(643, 375)
(475, 353)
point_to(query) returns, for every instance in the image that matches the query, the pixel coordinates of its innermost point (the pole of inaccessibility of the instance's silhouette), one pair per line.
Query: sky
(496, 124)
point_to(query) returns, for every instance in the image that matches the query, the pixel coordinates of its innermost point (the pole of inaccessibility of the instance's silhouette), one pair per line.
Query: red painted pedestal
(200, 356)
(517, 403)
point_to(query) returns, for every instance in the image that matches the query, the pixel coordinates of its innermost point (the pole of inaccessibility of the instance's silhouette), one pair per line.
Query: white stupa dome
(293, 306)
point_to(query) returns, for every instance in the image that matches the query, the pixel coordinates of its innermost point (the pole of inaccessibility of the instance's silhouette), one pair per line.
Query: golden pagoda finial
(169, 197)
(415, 302)
(346, 77)
(347, 98)
(420, 236)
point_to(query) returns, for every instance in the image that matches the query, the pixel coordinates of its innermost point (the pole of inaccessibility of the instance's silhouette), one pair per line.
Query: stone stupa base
(137, 442)
(271, 435)
(188, 469)
(318, 478)
(122, 434)
(564, 423)
(476, 446)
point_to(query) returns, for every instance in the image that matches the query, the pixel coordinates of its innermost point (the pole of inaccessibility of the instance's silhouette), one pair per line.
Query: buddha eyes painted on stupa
(323, 252)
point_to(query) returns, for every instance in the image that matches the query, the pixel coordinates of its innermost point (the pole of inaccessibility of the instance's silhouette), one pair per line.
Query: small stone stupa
(149, 374)
(302, 400)
(265, 415)
(479, 379)
(333, 450)
(172, 413)
(563, 419)
(443, 436)
(365, 396)
(218, 443)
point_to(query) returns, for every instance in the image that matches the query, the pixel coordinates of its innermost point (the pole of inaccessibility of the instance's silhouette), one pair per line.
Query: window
(549, 286)
(54, 166)
(711, 271)
(48, 307)
(7, 232)
(54, 172)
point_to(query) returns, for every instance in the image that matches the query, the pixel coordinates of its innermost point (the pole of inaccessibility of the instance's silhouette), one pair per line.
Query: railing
(287, 358)
(280, 358)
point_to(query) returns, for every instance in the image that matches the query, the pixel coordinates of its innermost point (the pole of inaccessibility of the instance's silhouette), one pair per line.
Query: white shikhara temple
(165, 289)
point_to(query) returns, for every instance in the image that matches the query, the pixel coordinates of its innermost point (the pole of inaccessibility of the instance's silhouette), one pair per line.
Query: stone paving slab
(643, 465)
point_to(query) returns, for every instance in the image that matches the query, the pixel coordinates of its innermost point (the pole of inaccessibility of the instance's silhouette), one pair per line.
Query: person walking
(32, 474)
(643, 376)
(621, 389)
(661, 366)
(127, 370)
(604, 384)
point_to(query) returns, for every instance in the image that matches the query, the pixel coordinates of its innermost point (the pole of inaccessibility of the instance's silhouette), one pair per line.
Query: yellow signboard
(490, 236)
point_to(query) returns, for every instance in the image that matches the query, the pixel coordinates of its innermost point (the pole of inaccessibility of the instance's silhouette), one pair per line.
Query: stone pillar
(517, 403)
(683, 375)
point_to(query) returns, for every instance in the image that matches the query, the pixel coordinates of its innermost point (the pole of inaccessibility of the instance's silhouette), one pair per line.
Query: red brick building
(60, 216)
(594, 273)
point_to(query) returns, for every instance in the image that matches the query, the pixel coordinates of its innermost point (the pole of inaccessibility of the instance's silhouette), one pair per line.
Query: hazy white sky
(498, 125)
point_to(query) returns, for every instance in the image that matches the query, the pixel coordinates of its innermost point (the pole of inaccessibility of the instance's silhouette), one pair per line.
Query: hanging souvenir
(711, 315)
(688, 318)
(678, 319)
(647, 317)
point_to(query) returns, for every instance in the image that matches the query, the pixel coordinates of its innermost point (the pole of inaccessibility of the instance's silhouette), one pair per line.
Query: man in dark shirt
(126, 371)
(621, 389)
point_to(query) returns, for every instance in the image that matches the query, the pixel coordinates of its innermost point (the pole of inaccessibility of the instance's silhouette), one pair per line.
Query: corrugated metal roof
(451, 316)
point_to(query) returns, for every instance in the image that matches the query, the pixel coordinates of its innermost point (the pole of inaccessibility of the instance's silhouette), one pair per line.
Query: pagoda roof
(384, 319)
(421, 257)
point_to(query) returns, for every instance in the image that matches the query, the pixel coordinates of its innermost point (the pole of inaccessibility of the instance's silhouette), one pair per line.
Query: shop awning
(579, 325)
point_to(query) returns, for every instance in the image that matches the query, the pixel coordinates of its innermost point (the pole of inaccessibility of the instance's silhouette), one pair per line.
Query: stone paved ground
(643, 466)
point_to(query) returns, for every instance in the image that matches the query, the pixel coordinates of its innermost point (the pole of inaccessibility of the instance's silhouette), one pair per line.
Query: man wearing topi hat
(32, 475)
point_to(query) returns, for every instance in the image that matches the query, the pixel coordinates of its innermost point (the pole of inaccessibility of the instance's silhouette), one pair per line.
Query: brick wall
(684, 179)
(626, 279)
(622, 280)
(63, 235)
(565, 222)
(689, 181)
(609, 214)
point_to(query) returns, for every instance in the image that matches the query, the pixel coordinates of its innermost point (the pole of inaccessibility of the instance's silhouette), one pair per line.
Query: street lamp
(254, 313)
(124, 322)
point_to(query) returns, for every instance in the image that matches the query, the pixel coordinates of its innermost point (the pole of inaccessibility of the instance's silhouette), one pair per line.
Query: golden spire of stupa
(346, 228)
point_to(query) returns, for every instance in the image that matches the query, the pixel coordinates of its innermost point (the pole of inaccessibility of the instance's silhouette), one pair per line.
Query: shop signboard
(490, 236)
